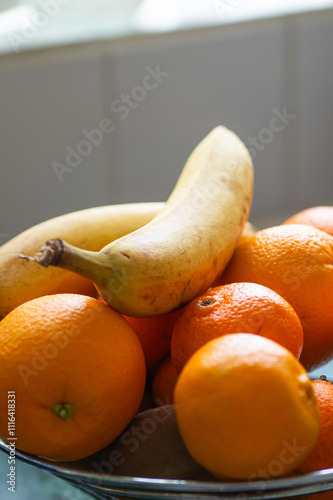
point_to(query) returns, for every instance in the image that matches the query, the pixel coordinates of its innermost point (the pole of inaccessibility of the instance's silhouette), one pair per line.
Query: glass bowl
(102, 485)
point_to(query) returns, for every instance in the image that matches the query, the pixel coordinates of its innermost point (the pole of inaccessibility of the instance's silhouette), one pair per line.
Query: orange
(237, 307)
(320, 217)
(164, 382)
(155, 336)
(321, 456)
(295, 261)
(245, 408)
(77, 370)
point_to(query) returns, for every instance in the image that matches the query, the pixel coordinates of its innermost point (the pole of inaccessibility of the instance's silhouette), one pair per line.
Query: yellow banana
(90, 229)
(179, 254)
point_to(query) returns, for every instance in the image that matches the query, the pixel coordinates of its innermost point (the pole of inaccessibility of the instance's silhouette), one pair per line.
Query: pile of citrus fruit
(234, 362)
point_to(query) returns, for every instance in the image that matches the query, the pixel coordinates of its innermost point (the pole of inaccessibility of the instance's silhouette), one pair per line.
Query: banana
(91, 229)
(179, 254)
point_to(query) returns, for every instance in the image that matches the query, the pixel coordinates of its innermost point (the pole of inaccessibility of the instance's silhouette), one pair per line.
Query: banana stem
(59, 253)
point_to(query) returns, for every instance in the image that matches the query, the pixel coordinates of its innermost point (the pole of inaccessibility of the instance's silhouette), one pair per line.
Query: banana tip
(48, 255)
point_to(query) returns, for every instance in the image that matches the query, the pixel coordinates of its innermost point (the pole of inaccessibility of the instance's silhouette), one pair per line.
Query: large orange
(237, 307)
(296, 261)
(245, 408)
(77, 370)
(320, 217)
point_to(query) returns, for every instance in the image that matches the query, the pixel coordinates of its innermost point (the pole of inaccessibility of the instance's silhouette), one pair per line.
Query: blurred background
(158, 76)
(102, 101)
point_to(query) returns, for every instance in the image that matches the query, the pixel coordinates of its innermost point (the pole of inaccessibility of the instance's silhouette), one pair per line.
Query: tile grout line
(290, 85)
(112, 156)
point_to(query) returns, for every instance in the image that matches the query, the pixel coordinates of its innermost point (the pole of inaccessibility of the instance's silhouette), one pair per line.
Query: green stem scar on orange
(63, 410)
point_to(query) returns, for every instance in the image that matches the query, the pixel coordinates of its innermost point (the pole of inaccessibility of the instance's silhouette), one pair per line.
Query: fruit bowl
(110, 487)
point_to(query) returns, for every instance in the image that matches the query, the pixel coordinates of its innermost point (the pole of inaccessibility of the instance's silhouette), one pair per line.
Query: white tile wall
(241, 75)
(45, 102)
(230, 75)
(315, 107)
